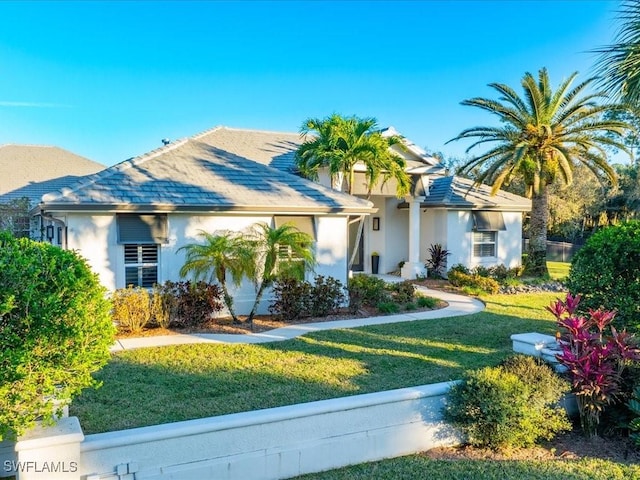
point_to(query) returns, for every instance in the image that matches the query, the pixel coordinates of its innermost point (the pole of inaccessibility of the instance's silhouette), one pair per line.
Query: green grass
(166, 384)
(558, 270)
(418, 467)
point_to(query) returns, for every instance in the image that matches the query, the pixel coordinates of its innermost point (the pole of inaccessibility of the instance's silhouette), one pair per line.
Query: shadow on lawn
(167, 384)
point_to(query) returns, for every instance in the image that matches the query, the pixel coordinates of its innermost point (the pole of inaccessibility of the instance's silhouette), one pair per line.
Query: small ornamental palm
(540, 139)
(279, 252)
(221, 254)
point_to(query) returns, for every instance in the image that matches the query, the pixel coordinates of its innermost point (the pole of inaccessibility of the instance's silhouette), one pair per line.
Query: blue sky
(109, 80)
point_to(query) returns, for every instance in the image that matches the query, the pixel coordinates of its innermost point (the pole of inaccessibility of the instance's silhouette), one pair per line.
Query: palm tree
(541, 137)
(225, 252)
(278, 252)
(618, 66)
(339, 144)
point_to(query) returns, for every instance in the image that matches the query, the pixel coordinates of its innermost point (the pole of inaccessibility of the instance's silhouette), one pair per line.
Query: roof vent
(166, 141)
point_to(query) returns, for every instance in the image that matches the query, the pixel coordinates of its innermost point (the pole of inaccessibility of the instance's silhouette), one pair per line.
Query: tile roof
(460, 193)
(220, 169)
(33, 170)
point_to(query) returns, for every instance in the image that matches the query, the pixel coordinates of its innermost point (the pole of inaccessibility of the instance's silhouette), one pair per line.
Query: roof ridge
(118, 167)
(31, 145)
(238, 129)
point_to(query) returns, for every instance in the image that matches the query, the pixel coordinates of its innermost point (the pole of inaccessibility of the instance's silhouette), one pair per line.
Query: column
(413, 267)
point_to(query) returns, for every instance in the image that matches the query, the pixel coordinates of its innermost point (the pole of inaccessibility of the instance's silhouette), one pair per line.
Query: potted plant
(375, 262)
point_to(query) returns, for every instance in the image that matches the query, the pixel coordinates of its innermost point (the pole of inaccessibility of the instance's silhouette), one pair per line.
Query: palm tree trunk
(263, 287)
(228, 300)
(536, 264)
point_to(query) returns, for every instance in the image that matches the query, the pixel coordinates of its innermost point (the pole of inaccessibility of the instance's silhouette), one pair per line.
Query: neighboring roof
(218, 170)
(461, 194)
(33, 170)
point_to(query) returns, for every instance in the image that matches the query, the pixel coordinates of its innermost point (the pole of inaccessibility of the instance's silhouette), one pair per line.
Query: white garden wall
(268, 444)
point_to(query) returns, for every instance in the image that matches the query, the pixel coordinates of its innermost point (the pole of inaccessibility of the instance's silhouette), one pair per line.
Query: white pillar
(413, 268)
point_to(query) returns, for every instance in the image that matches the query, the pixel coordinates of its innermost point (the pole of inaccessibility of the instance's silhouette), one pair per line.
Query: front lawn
(167, 384)
(558, 270)
(420, 466)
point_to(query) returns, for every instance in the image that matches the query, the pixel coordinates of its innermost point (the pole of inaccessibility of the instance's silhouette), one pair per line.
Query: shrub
(512, 405)
(388, 307)
(409, 307)
(426, 302)
(402, 292)
(634, 407)
(605, 273)
(327, 296)
(291, 299)
(194, 302)
(595, 360)
(55, 331)
(131, 308)
(163, 304)
(458, 267)
(437, 262)
(460, 279)
(366, 290)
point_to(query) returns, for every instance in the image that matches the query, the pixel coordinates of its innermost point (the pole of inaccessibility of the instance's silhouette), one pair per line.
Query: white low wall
(274, 443)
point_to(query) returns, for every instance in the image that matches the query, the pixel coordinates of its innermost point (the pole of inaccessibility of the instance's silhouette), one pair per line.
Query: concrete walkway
(458, 305)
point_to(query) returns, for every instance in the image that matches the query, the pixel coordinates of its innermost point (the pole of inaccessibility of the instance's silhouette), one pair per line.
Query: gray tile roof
(33, 170)
(460, 193)
(218, 170)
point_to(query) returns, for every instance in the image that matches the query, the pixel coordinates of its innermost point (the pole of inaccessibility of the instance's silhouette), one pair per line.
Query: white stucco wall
(95, 237)
(395, 230)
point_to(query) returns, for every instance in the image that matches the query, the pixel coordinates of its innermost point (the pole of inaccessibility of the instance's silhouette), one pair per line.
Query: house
(131, 220)
(30, 171)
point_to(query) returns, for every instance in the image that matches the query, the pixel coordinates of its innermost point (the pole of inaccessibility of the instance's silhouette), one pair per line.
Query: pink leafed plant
(595, 361)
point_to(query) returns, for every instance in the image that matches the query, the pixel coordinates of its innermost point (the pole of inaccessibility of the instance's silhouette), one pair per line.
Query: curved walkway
(458, 305)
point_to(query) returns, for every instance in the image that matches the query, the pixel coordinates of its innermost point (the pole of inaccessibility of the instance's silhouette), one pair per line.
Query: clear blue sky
(109, 80)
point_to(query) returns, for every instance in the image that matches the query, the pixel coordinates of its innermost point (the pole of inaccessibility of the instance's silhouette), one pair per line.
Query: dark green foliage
(193, 303)
(294, 299)
(365, 290)
(291, 299)
(437, 262)
(402, 292)
(512, 405)
(458, 267)
(55, 330)
(634, 424)
(409, 307)
(327, 296)
(606, 272)
(388, 307)
(14, 217)
(459, 279)
(426, 302)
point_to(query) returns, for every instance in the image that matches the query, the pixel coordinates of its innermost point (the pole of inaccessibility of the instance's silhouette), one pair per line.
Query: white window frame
(480, 242)
(141, 265)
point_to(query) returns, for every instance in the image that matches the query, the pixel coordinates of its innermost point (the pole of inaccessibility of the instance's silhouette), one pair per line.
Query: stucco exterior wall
(95, 237)
(395, 230)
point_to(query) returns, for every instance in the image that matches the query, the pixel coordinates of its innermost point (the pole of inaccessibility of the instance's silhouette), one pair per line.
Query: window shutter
(134, 228)
(302, 223)
(488, 221)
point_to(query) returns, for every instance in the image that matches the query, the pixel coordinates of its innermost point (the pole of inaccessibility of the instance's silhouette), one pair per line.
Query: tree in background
(540, 139)
(618, 66)
(339, 144)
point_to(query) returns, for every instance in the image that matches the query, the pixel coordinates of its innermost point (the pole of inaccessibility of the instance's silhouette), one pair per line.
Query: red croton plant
(595, 358)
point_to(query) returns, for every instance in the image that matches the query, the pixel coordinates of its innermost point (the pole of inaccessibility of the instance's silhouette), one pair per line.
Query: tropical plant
(277, 252)
(618, 66)
(343, 145)
(595, 360)
(605, 272)
(55, 331)
(223, 253)
(634, 407)
(437, 262)
(540, 139)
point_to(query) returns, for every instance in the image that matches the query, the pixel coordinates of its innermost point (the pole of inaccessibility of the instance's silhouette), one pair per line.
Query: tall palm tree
(339, 144)
(540, 138)
(618, 66)
(221, 254)
(278, 252)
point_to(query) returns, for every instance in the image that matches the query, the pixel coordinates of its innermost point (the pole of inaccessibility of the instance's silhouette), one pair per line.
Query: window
(141, 265)
(484, 244)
